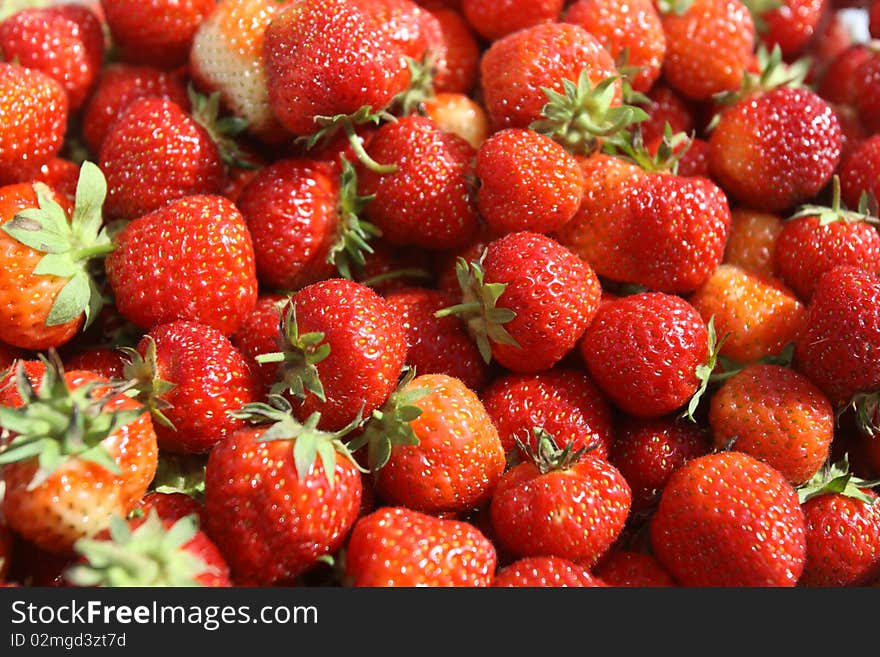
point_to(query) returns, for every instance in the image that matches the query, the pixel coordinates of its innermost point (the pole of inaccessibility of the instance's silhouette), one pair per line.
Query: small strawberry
(751, 243)
(789, 24)
(727, 519)
(533, 513)
(633, 569)
(860, 172)
(493, 19)
(664, 105)
(399, 547)
(544, 572)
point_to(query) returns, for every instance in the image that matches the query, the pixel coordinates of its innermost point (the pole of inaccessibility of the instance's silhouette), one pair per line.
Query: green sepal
(836, 478)
(222, 130)
(330, 125)
(704, 371)
(677, 7)
(150, 555)
(479, 310)
(867, 411)
(547, 455)
(727, 367)
(630, 145)
(141, 381)
(355, 234)
(421, 85)
(758, 8)
(836, 212)
(773, 72)
(181, 473)
(582, 114)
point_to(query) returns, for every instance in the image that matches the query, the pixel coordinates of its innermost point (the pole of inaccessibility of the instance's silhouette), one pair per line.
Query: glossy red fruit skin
(695, 537)
(793, 25)
(775, 150)
(575, 513)
(191, 260)
(840, 82)
(868, 93)
(269, 524)
(648, 451)
(666, 106)
(860, 172)
(399, 547)
(633, 569)
(462, 54)
(172, 506)
(562, 401)
(105, 361)
(259, 333)
(544, 572)
(642, 351)
(428, 201)
(493, 19)
(839, 346)
(843, 541)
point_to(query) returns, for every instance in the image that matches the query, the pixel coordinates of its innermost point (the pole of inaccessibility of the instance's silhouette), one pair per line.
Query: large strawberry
(726, 519)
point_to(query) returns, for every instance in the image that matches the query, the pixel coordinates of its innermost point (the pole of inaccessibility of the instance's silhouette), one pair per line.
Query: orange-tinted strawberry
(493, 19)
(632, 569)
(693, 537)
(459, 114)
(399, 547)
(860, 172)
(544, 572)
(751, 243)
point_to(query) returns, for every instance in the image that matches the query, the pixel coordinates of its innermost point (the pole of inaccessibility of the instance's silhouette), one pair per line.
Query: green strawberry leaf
(355, 233)
(836, 478)
(704, 371)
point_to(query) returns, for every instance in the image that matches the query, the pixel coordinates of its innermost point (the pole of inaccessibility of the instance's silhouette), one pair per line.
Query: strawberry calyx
(758, 9)
(181, 473)
(222, 130)
(704, 370)
(630, 145)
(867, 411)
(142, 381)
(299, 355)
(773, 72)
(582, 114)
(837, 212)
(148, 555)
(547, 455)
(836, 478)
(391, 425)
(727, 367)
(330, 125)
(478, 308)
(57, 424)
(309, 442)
(69, 245)
(677, 7)
(421, 85)
(353, 240)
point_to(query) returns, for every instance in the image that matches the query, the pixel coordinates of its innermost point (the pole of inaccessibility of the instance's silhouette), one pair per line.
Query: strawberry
(433, 447)
(157, 32)
(66, 42)
(426, 201)
(860, 172)
(105, 361)
(664, 105)
(874, 19)
(40, 107)
(647, 451)
(118, 86)
(544, 572)
(59, 174)
(199, 251)
(790, 24)
(840, 82)
(533, 513)
(842, 519)
(170, 506)
(79, 453)
(437, 345)
(493, 19)
(758, 315)
(776, 415)
(48, 292)
(527, 182)
(460, 115)
(227, 57)
(868, 92)
(399, 547)
(709, 43)
(562, 401)
(838, 346)
(526, 301)
(752, 240)
(279, 495)
(341, 351)
(648, 353)
(633, 569)
(727, 519)
(462, 54)
(190, 377)
(149, 551)
(630, 30)
(258, 334)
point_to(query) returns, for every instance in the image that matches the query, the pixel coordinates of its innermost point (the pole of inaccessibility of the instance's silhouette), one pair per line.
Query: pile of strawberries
(462, 292)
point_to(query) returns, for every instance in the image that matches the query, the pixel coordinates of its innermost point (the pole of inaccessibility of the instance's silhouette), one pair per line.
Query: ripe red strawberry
(459, 114)
(427, 200)
(399, 547)
(437, 345)
(860, 172)
(526, 301)
(632, 569)
(648, 353)
(874, 19)
(562, 401)
(191, 260)
(190, 377)
(751, 243)
(39, 105)
(842, 529)
(432, 447)
(791, 25)
(120, 85)
(149, 551)
(157, 32)
(868, 92)
(666, 106)
(46, 290)
(527, 182)
(647, 451)
(839, 346)
(65, 42)
(107, 362)
(776, 415)
(227, 57)
(840, 82)
(279, 496)
(630, 29)
(258, 334)
(79, 453)
(727, 519)
(341, 351)
(59, 174)
(170, 506)
(544, 572)
(758, 315)
(462, 54)
(533, 513)
(493, 19)
(709, 43)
